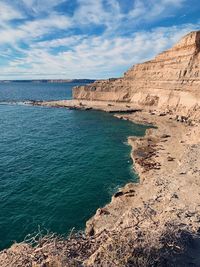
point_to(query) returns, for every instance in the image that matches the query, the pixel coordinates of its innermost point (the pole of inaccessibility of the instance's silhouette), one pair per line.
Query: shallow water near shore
(57, 166)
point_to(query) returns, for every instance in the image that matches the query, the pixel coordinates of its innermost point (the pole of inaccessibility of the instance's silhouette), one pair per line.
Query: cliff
(169, 82)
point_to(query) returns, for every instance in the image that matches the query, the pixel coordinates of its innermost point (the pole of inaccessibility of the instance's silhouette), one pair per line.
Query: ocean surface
(57, 166)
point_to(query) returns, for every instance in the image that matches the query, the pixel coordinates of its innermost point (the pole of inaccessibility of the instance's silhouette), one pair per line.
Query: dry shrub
(49, 250)
(170, 247)
(137, 247)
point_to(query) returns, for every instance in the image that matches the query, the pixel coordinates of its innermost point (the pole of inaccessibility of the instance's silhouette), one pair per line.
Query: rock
(181, 118)
(118, 194)
(165, 136)
(162, 114)
(102, 211)
(175, 196)
(170, 158)
(183, 172)
(90, 230)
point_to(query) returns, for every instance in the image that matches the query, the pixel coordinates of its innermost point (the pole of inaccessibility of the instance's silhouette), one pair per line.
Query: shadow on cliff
(175, 249)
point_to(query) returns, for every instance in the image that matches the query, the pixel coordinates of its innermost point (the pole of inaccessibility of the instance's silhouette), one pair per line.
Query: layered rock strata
(170, 82)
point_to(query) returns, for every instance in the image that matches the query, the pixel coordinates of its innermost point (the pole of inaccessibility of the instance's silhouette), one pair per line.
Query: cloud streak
(7, 13)
(98, 40)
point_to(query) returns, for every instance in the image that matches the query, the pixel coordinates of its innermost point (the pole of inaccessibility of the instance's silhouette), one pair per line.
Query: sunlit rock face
(170, 81)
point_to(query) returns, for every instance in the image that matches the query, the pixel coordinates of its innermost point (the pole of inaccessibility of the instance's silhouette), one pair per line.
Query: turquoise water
(57, 166)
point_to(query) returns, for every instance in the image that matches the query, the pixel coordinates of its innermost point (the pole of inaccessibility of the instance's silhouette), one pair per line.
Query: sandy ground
(107, 106)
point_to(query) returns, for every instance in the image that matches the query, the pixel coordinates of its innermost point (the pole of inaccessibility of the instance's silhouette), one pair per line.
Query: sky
(68, 39)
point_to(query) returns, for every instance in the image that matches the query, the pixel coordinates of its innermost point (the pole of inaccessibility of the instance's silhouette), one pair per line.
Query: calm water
(57, 166)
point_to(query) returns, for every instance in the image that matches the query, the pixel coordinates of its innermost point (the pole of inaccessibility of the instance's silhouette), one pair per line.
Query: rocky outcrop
(170, 82)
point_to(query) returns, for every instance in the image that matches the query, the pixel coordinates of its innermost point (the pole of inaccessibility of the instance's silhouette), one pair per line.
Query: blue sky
(88, 38)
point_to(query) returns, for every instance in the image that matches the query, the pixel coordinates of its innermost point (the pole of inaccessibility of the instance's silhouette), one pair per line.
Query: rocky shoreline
(168, 176)
(167, 160)
(162, 149)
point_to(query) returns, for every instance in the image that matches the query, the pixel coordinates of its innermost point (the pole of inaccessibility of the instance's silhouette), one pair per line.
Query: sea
(57, 166)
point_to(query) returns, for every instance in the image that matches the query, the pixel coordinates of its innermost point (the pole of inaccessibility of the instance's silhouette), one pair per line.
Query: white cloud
(67, 42)
(95, 57)
(38, 6)
(32, 29)
(84, 55)
(154, 9)
(40, 27)
(89, 12)
(8, 13)
(95, 12)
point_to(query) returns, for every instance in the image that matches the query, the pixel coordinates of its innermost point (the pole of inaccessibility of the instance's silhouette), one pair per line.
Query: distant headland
(50, 81)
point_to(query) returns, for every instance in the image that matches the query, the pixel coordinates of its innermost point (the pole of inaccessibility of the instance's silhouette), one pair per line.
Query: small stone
(165, 136)
(170, 158)
(118, 194)
(183, 172)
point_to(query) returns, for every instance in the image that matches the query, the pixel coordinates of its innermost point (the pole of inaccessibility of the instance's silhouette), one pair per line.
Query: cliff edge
(169, 82)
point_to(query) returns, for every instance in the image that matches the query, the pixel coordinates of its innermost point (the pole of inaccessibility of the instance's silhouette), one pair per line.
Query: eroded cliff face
(171, 81)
